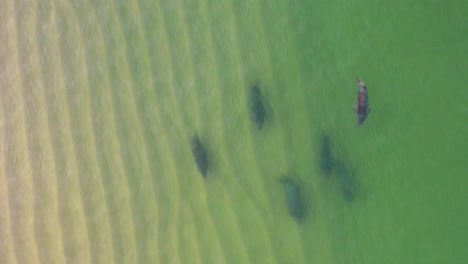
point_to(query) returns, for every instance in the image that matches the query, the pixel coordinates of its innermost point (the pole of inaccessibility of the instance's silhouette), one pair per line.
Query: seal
(257, 108)
(200, 155)
(294, 197)
(362, 108)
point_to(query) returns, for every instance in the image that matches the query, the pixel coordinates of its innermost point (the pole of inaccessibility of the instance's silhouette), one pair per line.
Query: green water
(100, 101)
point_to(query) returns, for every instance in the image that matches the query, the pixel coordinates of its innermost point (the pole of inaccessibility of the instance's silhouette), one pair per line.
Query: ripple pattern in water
(100, 101)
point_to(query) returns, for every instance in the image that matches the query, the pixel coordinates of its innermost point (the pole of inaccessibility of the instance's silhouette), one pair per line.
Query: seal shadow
(200, 155)
(298, 202)
(260, 109)
(327, 157)
(334, 164)
(347, 181)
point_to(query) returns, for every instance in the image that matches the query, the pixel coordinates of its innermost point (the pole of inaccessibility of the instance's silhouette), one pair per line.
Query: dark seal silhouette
(362, 108)
(294, 197)
(257, 108)
(327, 158)
(200, 155)
(347, 179)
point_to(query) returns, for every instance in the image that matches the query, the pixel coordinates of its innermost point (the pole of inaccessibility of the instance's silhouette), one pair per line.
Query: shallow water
(100, 102)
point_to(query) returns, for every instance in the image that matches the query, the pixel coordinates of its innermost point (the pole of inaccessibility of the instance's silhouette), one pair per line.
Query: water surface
(100, 101)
